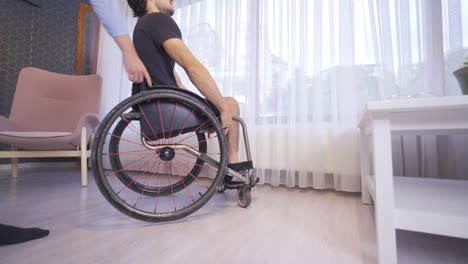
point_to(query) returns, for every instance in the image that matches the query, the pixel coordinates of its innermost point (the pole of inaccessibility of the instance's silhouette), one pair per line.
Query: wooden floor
(282, 225)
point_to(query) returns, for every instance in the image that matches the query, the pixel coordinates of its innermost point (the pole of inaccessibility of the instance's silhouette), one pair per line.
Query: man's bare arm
(199, 76)
(197, 73)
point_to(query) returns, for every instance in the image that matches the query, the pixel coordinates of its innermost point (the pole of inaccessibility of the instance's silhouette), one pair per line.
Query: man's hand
(136, 71)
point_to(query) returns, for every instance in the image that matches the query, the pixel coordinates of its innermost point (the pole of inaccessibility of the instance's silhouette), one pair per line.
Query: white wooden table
(434, 206)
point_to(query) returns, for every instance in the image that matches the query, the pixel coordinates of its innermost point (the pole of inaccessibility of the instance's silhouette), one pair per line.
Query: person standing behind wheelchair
(158, 42)
(109, 15)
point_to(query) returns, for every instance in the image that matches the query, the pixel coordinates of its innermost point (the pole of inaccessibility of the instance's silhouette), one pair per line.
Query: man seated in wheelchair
(158, 42)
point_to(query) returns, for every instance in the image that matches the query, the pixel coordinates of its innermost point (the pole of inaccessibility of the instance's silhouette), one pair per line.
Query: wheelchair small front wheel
(244, 197)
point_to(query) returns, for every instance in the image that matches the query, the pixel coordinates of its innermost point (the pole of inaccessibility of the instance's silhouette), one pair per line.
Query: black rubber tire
(141, 188)
(97, 153)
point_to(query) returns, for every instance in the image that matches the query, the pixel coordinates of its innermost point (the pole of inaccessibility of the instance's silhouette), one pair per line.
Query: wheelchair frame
(167, 150)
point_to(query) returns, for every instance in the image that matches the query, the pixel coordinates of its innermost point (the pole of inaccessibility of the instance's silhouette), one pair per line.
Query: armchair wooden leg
(14, 164)
(84, 166)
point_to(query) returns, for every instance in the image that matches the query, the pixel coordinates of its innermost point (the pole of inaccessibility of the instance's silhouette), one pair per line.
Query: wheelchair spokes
(153, 164)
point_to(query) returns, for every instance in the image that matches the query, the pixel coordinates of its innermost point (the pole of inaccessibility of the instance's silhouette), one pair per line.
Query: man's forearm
(202, 79)
(125, 44)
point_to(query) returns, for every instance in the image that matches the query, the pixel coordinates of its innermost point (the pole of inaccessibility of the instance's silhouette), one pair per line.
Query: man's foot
(240, 167)
(10, 235)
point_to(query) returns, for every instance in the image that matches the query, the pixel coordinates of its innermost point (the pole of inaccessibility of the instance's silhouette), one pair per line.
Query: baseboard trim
(39, 165)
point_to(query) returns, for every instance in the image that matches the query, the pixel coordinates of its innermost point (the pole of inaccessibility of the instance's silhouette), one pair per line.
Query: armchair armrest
(6, 124)
(90, 121)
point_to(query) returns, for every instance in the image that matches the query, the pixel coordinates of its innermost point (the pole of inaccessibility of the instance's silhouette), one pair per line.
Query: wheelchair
(161, 154)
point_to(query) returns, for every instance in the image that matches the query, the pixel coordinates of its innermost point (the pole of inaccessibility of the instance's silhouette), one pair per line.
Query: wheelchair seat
(155, 125)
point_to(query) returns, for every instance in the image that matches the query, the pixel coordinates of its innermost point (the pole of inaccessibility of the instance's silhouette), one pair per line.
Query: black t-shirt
(150, 33)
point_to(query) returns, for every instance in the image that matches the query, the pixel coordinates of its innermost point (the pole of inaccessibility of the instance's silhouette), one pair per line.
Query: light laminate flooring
(282, 225)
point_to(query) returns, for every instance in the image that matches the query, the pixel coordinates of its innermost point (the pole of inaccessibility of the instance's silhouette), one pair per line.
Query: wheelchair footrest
(241, 166)
(233, 185)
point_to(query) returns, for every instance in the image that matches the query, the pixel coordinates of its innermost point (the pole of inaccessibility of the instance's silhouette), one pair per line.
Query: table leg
(384, 197)
(364, 147)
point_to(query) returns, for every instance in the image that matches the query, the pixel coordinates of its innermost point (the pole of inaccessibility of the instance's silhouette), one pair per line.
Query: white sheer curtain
(302, 71)
(263, 53)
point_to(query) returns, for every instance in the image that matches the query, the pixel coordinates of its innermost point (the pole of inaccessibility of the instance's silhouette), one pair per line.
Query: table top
(414, 105)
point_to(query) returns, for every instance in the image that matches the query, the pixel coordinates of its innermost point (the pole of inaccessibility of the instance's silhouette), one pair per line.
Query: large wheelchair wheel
(150, 157)
(137, 186)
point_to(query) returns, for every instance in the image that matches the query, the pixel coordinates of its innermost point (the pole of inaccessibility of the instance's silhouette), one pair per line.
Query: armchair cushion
(33, 134)
(51, 140)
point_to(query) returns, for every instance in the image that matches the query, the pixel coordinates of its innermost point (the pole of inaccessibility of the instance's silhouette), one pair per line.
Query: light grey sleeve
(109, 15)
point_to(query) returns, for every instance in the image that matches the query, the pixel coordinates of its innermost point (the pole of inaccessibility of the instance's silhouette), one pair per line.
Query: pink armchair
(52, 115)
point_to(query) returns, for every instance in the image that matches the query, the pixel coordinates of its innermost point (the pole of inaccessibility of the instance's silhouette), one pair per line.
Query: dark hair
(138, 7)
